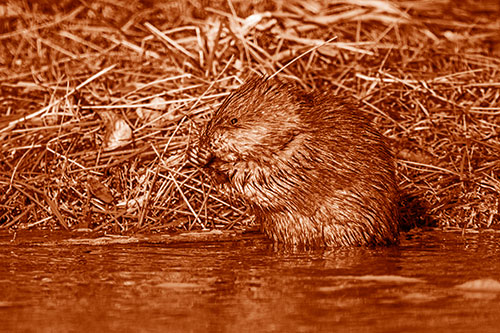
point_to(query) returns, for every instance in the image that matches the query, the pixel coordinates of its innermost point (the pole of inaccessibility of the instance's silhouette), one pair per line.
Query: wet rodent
(310, 166)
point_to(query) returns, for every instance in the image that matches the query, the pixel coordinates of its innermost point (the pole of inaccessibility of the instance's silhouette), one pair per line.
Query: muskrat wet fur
(309, 165)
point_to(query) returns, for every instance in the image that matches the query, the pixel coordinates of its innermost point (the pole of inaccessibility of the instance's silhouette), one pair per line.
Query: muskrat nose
(199, 156)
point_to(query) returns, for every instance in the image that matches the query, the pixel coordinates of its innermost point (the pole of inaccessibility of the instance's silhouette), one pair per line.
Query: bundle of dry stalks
(100, 101)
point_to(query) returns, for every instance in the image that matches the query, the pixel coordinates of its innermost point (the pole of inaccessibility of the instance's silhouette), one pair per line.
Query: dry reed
(100, 100)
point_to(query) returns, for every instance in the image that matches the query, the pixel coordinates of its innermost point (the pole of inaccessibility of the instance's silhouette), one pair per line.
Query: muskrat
(309, 165)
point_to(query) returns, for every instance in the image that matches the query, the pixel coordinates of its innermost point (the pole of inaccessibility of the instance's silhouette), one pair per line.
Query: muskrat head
(254, 123)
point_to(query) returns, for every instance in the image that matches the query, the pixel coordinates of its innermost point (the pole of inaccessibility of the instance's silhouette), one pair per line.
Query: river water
(433, 281)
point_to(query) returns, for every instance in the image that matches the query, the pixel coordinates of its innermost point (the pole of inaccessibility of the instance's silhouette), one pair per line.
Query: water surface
(432, 281)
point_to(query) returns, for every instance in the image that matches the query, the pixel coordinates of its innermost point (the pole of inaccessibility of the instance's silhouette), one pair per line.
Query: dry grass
(100, 99)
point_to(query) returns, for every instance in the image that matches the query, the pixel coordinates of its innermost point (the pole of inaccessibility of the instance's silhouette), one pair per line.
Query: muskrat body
(310, 166)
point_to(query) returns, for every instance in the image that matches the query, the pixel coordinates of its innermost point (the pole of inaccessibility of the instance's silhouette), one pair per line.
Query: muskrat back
(310, 166)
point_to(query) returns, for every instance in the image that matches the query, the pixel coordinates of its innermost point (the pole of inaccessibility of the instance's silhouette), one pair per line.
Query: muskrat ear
(233, 121)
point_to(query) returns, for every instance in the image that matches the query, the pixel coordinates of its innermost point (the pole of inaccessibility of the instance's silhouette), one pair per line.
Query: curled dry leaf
(118, 131)
(157, 111)
(100, 191)
(243, 27)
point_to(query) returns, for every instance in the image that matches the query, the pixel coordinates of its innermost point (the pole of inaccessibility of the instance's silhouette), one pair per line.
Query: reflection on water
(433, 281)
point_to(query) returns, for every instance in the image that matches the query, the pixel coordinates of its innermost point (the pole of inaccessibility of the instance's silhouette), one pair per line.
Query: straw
(100, 103)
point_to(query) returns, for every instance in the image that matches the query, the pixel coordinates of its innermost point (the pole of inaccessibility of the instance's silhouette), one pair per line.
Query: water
(432, 281)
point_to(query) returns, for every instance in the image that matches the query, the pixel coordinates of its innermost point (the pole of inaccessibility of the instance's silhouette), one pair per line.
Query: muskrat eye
(234, 121)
